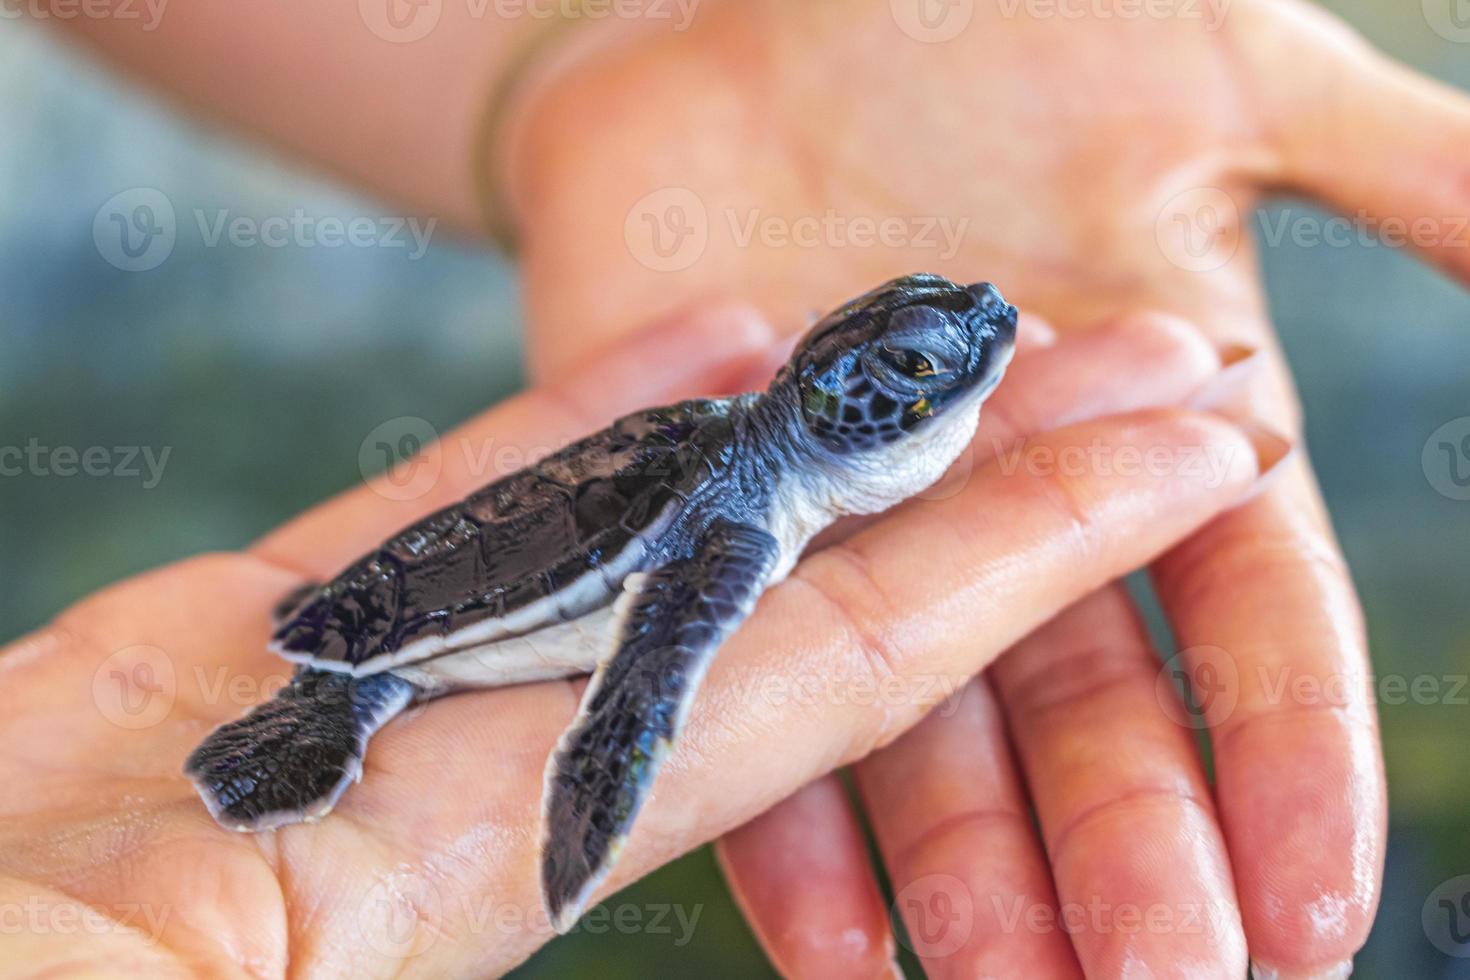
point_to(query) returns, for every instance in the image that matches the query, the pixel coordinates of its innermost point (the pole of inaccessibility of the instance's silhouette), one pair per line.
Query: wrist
(574, 32)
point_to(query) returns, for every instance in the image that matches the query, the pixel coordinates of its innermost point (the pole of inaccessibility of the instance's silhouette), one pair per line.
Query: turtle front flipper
(674, 620)
(290, 758)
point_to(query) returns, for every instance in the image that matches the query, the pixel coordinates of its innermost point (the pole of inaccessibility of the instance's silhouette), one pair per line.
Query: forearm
(397, 106)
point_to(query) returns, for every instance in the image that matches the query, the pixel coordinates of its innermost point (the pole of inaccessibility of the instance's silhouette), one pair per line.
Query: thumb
(1361, 132)
(710, 351)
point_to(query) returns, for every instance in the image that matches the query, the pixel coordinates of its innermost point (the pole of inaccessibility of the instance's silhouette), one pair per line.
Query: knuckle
(840, 577)
(1166, 338)
(1178, 806)
(1067, 497)
(1277, 560)
(1078, 679)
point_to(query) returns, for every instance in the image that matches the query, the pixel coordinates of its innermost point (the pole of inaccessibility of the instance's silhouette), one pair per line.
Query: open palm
(1090, 164)
(429, 866)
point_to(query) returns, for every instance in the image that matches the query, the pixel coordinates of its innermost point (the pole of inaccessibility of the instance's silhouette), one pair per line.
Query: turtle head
(914, 355)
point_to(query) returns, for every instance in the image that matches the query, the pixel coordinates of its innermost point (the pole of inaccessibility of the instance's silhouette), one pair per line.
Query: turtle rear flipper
(635, 706)
(291, 758)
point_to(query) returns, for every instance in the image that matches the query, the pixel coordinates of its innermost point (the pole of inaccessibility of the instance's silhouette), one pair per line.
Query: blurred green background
(262, 369)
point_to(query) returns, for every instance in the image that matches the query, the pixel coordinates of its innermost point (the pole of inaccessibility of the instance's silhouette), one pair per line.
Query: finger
(1362, 131)
(722, 350)
(912, 622)
(1136, 851)
(707, 352)
(1273, 640)
(955, 829)
(1305, 909)
(791, 695)
(1134, 361)
(801, 876)
(1141, 360)
(713, 351)
(1033, 333)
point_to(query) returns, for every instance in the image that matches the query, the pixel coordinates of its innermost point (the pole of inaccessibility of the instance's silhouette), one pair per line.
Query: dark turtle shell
(550, 542)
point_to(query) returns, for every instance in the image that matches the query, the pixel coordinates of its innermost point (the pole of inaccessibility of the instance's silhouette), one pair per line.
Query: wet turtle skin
(530, 536)
(688, 512)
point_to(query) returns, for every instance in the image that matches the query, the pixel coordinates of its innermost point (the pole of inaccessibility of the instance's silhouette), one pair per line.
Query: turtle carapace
(630, 555)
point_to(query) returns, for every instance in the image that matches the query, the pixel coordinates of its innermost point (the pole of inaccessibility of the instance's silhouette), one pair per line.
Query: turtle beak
(987, 297)
(997, 314)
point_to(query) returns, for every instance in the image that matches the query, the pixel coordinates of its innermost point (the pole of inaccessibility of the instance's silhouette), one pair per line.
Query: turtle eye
(914, 363)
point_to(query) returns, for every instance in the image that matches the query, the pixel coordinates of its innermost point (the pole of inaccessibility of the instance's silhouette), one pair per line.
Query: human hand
(429, 866)
(1084, 159)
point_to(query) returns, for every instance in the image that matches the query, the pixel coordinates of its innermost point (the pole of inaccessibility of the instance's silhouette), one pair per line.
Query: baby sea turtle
(682, 514)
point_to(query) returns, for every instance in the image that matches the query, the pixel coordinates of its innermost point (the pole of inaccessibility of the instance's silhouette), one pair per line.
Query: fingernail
(1338, 971)
(1272, 451)
(1238, 364)
(1033, 333)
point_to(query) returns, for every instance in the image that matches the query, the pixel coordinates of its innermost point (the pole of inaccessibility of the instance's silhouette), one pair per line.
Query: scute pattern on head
(886, 363)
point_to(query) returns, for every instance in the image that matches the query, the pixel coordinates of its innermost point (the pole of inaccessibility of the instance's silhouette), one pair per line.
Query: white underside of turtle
(630, 555)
